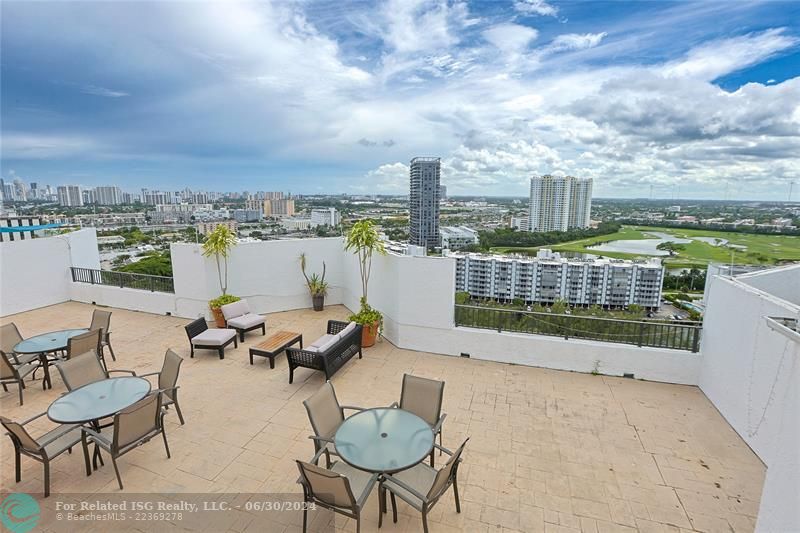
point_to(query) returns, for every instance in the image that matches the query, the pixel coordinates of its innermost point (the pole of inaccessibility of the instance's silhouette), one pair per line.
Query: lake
(640, 247)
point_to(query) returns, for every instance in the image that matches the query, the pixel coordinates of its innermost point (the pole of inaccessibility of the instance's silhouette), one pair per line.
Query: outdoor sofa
(328, 353)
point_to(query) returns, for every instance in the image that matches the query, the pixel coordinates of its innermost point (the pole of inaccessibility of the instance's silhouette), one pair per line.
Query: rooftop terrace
(550, 450)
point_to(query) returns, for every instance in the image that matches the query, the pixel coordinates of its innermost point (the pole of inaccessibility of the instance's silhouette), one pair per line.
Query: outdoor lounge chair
(422, 486)
(133, 426)
(43, 449)
(211, 339)
(238, 316)
(102, 320)
(85, 368)
(326, 415)
(340, 488)
(13, 373)
(168, 379)
(423, 397)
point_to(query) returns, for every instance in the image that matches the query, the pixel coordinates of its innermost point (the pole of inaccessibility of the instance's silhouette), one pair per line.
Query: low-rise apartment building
(457, 237)
(550, 277)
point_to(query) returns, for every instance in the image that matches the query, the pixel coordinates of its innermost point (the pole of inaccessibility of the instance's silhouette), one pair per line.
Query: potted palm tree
(218, 244)
(317, 285)
(364, 241)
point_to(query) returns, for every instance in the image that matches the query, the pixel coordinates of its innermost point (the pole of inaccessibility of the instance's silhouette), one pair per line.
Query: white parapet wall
(36, 272)
(751, 373)
(266, 273)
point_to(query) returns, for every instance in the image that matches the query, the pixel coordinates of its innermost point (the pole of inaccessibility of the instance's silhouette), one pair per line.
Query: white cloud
(576, 41)
(103, 91)
(510, 37)
(719, 57)
(536, 7)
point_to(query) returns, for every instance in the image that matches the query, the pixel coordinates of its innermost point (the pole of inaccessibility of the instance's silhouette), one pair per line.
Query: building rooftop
(550, 450)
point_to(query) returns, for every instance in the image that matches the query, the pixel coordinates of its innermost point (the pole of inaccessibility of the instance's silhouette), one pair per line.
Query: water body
(713, 241)
(640, 247)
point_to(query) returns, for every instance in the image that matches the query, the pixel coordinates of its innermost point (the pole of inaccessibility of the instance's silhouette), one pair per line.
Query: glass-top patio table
(47, 343)
(383, 440)
(98, 400)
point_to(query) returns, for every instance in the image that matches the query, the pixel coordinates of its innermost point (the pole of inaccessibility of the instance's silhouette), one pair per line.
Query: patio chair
(133, 426)
(85, 342)
(12, 373)
(167, 379)
(102, 320)
(211, 339)
(85, 368)
(43, 449)
(326, 415)
(423, 397)
(340, 488)
(422, 486)
(9, 338)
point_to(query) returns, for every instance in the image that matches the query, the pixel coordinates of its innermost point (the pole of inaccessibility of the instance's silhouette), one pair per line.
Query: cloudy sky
(700, 100)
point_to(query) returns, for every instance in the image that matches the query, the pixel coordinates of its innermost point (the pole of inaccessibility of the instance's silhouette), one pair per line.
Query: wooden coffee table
(275, 344)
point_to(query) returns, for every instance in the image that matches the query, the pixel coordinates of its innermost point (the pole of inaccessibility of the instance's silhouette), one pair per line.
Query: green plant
(367, 316)
(364, 241)
(225, 299)
(462, 298)
(317, 285)
(219, 244)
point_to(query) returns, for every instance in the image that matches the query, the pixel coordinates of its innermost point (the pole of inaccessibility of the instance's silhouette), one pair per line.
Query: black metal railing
(684, 335)
(127, 280)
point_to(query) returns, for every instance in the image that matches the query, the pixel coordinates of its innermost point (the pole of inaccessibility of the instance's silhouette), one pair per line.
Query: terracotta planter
(369, 333)
(219, 318)
(318, 301)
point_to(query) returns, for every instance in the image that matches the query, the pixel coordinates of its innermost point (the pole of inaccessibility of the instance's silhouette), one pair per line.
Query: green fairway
(759, 248)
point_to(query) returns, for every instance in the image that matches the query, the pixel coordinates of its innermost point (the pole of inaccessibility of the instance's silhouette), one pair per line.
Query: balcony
(560, 440)
(546, 447)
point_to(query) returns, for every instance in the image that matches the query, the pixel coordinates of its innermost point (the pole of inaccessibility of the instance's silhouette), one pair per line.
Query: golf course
(693, 248)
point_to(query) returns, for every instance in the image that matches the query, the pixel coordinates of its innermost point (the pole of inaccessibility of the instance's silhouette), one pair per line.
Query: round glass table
(98, 400)
(44, 344)
(48, 342)
(384, 440)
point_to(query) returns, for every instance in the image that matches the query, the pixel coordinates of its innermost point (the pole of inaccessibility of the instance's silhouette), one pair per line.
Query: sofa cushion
(235, 309)
(322, 340)
(213, 337)
(350, 327)
(331, 342)
(246, 321)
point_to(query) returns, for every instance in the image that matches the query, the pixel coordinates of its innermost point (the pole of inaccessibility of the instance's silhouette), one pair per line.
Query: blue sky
(685, 98)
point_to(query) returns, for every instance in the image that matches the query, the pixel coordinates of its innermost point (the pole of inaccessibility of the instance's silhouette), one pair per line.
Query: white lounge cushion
(350, 327)
(235, 309)
(330, 343)
(322, 340)
(246, 321)
(213, 337)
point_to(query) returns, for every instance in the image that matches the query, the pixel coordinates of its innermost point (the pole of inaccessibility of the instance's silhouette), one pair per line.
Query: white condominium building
(326, 217)
(69, 196)
(549, 277)
(108, 195)
(559, 203)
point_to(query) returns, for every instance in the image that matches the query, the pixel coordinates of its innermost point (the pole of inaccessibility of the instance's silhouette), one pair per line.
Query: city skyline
(315, 97)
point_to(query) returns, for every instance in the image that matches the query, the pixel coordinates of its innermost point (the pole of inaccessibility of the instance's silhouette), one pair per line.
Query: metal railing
(684, 335)
(126, 280)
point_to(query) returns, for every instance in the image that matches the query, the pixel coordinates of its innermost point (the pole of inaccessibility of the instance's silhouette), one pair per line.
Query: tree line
(528, 239)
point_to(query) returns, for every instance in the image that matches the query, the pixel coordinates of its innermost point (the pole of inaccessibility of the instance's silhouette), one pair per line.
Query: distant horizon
(693, 99)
